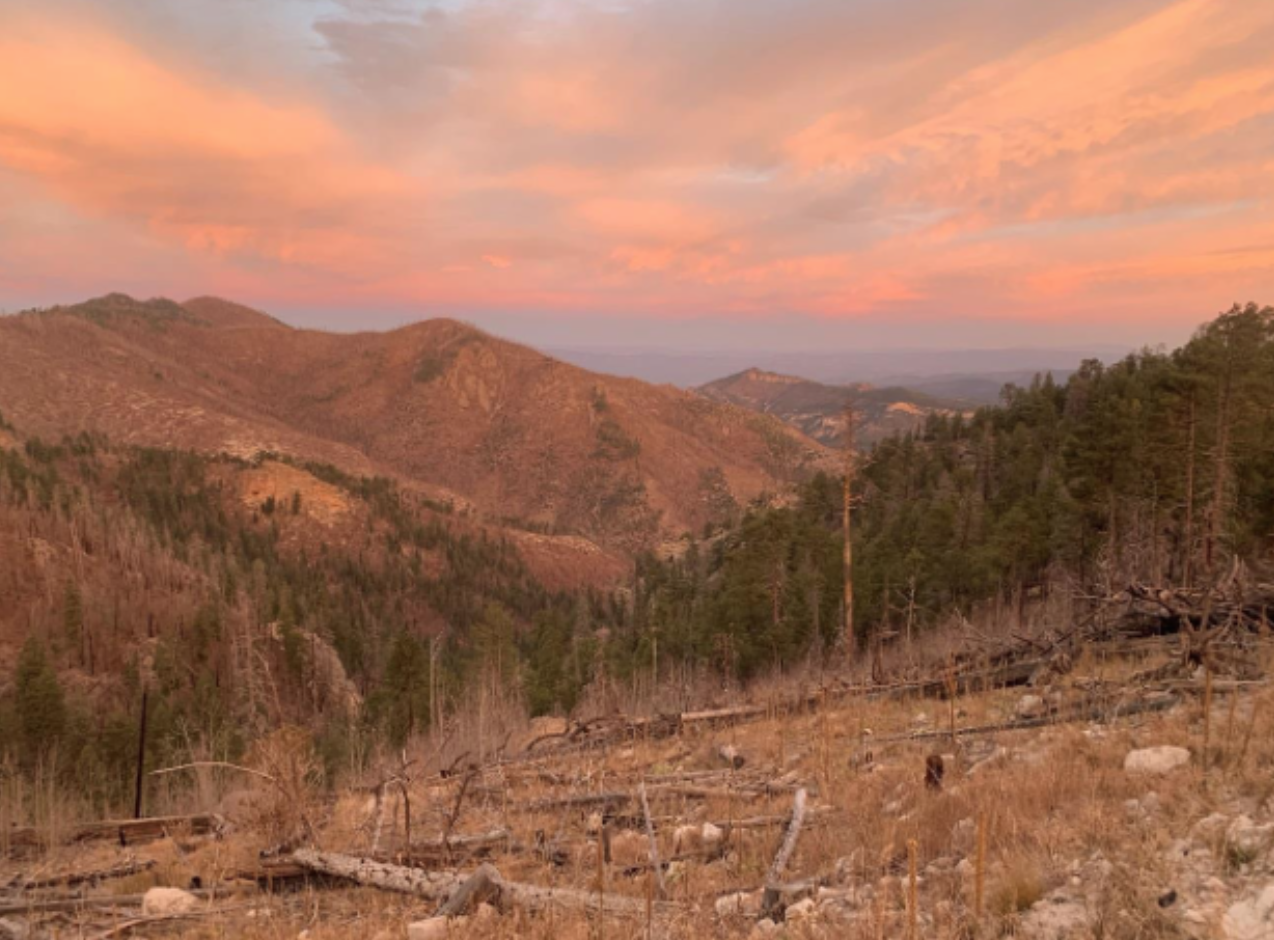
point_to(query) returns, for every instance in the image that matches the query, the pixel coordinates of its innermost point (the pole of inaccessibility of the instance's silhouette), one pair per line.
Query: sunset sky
(794, 171)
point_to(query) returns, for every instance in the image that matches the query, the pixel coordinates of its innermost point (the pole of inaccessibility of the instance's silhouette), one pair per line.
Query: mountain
(973, 388)
(881, 367)
(491, 427)
(818, 410)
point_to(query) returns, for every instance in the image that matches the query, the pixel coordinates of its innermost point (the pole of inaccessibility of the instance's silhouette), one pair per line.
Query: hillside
(818, 410)
(252, 594)
(467, 417)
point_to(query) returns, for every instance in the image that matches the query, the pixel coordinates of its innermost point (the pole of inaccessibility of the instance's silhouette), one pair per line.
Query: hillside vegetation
(1159, 468)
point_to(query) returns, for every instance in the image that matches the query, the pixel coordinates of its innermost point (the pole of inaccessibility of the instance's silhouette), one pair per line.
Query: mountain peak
(229, 315)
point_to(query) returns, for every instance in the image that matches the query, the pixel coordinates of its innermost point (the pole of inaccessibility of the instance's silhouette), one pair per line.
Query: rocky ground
(1157, 824)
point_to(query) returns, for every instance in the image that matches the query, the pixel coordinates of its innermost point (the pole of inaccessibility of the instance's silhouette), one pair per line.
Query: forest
(231, 620)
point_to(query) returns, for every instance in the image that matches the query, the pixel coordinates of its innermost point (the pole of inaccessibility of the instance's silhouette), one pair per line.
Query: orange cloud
(818, 156)
(118, 133)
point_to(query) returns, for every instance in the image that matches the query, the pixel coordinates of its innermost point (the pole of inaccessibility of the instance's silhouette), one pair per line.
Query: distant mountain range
(818, 410)
(975, 375)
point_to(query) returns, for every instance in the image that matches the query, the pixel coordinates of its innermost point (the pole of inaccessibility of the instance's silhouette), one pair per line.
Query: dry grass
(1053, 801)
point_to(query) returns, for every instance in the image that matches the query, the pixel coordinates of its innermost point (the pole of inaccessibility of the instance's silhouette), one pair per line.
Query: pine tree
(41, 706)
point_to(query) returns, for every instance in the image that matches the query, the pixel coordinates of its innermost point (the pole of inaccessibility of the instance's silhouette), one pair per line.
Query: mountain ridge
(463, 415)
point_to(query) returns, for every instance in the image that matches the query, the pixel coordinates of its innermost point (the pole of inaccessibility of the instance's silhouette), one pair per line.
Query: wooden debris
(440, 885)
(89, 876)
(654, 844)
(771, 896)
(123, 831)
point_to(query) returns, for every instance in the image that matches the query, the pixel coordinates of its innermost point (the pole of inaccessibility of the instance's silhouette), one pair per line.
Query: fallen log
(123, 831)
(482, 885)
(654, 843)
(440, 885)
(88, 876)
(1098, 713)
(772, 890)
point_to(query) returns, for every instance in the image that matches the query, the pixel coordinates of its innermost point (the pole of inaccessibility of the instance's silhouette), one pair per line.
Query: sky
(773, 173)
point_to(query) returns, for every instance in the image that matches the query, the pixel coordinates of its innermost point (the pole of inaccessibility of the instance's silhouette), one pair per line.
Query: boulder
(1156, 760)
(434, 928)
(801, 910)
(1246, 841)
(164, 902)
(1251, 918)
(739, 904)
(1030, 706)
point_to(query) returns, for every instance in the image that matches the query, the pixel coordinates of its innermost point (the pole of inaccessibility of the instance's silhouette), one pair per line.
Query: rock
(764, 928)
(685, 839)
(629, 848)
(1156, 760)
(12, 928)
(485, 912)
(162, 902)
(1060, 916)
(712, 835)
(1252, 918)
(1245, 841)
(547, 725)
(801, 910)
(1209, 829)
(1030, 706)
(739, 904)
(435, 928)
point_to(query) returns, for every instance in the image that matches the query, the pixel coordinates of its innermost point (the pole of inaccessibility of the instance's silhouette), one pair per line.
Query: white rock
(712, 835)
(801, 910)
(1250, 919)
(546, 725)
(1209, 828)
(162, 902)
(485, 911)
(685, 839)
(1030, 706)
(739, 904)
(593, 824)
(1248, 838)
(1057, 917)
(435, 928)
(764, 928)
(1156, 760)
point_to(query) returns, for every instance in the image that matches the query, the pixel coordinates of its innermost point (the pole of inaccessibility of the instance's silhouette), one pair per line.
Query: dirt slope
(471, 418)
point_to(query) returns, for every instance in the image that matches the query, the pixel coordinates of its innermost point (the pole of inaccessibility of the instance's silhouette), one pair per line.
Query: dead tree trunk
(442, 885)
(848, 531)
(788, 846)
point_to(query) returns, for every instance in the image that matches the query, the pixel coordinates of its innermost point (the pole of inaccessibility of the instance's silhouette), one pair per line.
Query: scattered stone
(764, 928)
(1156, 760)
(435, 928)
(11, 928)
(164, 902)
(1060, 916)
(739, 904)
(1168, 898)
(547, 725)
(1246, 841)
(1209, 829)
(1030, 706)
(801, 910)
(1252, 918)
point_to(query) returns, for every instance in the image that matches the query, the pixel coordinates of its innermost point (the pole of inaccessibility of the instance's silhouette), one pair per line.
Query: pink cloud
(823, 157)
